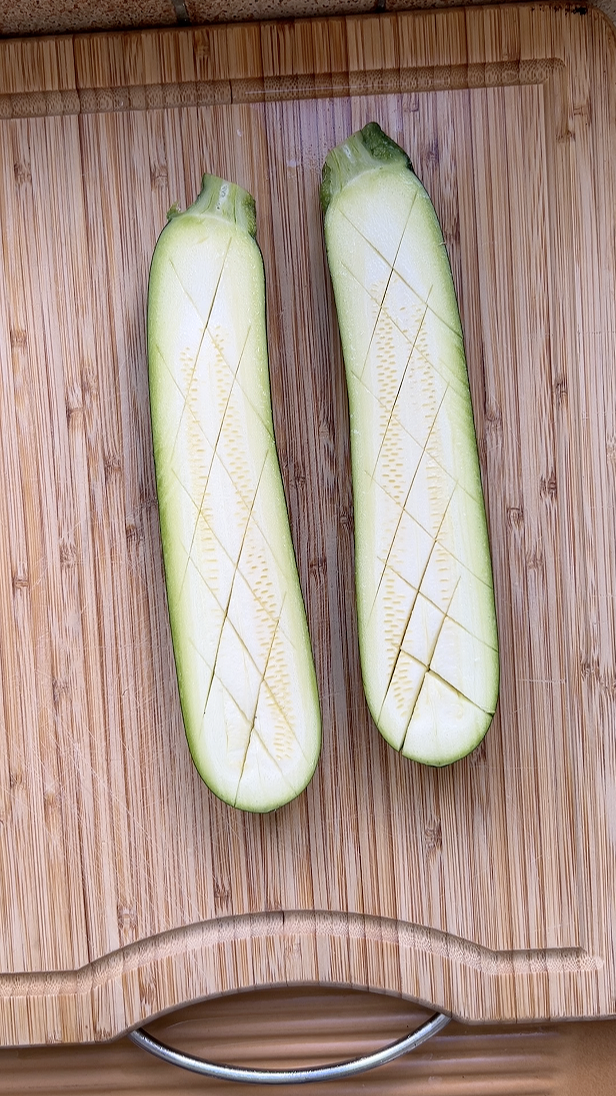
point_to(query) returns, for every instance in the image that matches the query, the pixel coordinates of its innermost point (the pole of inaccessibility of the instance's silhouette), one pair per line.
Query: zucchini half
(244, 663)
(425, 601)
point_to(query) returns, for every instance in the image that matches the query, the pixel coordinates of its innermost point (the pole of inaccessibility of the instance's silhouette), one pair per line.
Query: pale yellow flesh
(425, 604)
(241, 644)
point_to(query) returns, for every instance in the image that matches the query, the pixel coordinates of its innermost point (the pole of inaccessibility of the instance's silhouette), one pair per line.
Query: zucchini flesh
(425, 602)
(244, 663)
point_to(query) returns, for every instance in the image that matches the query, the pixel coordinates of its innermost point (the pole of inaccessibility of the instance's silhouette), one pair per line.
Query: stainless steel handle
(291, 1076)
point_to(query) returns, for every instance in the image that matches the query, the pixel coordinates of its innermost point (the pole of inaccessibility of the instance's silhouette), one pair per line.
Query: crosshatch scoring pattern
(125, 887)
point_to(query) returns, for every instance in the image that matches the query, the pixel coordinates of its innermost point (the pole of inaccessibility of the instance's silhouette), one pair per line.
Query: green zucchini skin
(242, 650)
(425, 601)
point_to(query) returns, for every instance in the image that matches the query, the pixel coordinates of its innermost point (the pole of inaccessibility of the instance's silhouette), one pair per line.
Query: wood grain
(282, 1028)
(126, 888)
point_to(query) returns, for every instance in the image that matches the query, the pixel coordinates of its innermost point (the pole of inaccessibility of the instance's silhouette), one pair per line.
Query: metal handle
(292, 1076)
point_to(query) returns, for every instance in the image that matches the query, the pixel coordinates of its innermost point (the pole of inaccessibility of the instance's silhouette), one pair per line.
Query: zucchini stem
(366, 150)
(220, 198)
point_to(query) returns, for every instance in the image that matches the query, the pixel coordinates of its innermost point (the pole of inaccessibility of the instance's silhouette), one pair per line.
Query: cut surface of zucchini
(425, 602)
(242, 650)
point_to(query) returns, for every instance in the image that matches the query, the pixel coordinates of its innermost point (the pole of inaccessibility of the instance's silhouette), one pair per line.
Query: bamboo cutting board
(485, 889)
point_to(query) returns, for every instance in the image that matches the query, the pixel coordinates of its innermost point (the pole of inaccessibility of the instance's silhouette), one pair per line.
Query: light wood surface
(126, 888)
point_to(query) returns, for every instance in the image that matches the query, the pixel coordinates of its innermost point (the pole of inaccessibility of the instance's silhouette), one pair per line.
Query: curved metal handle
(291, 1076)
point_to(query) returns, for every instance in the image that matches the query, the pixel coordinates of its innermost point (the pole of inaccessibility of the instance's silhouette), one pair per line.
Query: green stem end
(366, 150)
(220, 198)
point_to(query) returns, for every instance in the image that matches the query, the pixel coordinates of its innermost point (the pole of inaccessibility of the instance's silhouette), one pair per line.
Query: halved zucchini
(242, 650)
(427, 624)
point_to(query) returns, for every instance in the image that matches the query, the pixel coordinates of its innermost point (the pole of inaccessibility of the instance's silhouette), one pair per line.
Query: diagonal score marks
(237, 381)
(463, 696)
(408, 619)
(205, 323)
(207, 480)
(232, 584)
(234, 380)
(433, 642)
(391, 271)
(284, 715)
(403, 509)
(206, 330)
(384, 406)
(395, 400)
(256, 704)
(232, 560)
(274, 761)
(457, 331)
(250, 658)
(186, 393)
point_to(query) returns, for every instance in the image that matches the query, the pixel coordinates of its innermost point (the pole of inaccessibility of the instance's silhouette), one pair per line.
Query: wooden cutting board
(285, 1027)
(485, 889)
